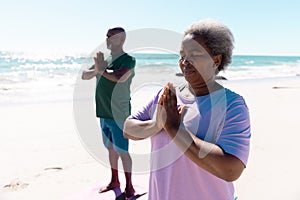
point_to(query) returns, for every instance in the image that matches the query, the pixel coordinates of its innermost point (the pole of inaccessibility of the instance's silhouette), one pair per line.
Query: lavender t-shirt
(221, 118)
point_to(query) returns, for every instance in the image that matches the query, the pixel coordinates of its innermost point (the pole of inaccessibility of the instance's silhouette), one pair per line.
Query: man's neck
(116, 52)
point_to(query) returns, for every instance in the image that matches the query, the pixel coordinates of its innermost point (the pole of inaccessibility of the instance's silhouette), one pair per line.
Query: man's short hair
(118, 29)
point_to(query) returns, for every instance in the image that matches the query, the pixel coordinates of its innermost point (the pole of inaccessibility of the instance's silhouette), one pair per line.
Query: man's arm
(118, 75)
(98, 68)
(90, 73)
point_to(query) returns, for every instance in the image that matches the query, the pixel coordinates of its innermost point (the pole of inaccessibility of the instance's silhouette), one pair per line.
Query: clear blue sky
(260, 27)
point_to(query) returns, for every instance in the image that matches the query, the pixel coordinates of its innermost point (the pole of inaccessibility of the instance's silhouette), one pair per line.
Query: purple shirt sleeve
(235, 136)
(147, 111)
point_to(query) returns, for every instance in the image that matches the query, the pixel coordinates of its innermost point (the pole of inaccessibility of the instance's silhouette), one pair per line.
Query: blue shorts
(112, 135)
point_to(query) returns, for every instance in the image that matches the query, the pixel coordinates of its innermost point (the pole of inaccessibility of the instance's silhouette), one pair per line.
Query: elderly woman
(199, 131)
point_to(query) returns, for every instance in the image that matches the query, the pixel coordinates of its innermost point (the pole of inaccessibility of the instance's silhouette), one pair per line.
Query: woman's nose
(185, 60)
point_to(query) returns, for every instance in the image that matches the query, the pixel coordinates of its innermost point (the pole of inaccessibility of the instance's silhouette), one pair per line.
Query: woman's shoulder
(234, 98)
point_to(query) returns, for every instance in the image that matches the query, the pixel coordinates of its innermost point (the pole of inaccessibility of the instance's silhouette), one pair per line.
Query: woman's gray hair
(217, 37)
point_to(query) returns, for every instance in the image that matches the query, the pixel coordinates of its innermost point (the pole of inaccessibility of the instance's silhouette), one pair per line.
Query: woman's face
(195, 61)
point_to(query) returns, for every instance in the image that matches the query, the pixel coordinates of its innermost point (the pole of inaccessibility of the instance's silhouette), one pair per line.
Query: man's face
(114, 39)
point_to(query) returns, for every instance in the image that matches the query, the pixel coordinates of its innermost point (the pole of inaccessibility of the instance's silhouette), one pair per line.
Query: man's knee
(125, 155)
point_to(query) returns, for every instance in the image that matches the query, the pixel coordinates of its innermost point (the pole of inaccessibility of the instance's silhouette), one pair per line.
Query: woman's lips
(188, 71)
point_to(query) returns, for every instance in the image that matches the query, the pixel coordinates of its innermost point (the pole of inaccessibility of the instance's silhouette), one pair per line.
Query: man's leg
(127, 165)
(113, 156)
(121, 146)
(113, 161)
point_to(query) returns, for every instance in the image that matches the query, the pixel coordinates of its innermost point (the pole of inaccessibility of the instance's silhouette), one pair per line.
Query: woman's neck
(204, 89)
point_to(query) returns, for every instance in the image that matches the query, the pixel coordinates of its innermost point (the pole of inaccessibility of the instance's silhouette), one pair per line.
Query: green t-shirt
(113, 98)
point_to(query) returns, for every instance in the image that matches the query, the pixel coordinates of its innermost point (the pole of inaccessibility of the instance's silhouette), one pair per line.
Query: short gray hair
(217, 37)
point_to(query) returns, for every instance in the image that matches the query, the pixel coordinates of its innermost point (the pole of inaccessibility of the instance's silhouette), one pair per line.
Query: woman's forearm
(138, 130)
(207, 155)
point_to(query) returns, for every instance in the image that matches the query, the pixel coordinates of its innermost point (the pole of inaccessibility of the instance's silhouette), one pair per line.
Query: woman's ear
(217, 60)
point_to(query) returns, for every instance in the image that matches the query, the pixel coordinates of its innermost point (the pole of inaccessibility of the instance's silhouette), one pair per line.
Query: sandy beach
(42, 156)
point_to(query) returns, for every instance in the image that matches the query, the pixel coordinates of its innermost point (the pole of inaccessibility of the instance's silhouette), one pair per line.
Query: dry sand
(42, 156)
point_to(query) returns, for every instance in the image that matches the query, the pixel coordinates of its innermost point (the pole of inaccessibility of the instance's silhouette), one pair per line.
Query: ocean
(24, 75)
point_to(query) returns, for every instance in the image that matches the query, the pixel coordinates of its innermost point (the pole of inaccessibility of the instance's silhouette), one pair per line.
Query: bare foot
(129, 191)
(110, 186)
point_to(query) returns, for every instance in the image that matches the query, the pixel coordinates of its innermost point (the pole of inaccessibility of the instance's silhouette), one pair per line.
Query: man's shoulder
(129, 57)
(128, 60)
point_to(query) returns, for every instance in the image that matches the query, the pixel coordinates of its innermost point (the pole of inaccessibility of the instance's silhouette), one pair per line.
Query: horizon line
(68, 52)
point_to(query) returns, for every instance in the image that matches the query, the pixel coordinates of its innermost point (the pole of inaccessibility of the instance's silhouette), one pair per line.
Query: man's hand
(100, 63)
